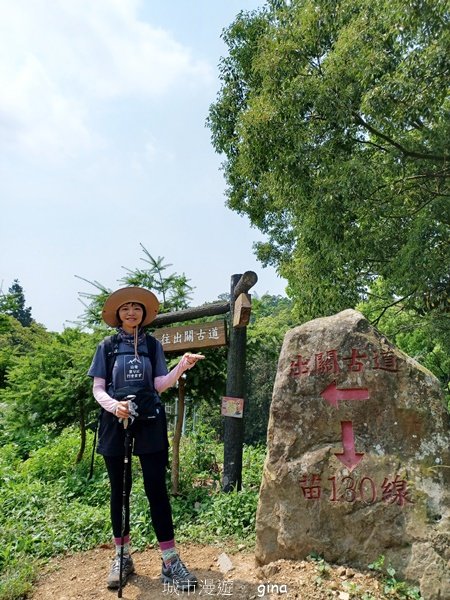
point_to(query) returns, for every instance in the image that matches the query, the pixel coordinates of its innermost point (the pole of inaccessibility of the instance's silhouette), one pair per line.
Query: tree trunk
(177, 436)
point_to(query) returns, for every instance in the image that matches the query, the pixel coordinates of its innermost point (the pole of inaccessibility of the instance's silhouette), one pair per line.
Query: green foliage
(203, 510)
(55, 460)
(271, 317)
(48, 387)
(322, 567)
(171, 289)
(17, 340)
(16, 581)
(204, 382)
(377, 565)
(392, 587)
(200, 458)
(9, 461)
(252, 466)
(231, 514)
(42, 521)
(47, 507)
(424, 337)
(334, 121)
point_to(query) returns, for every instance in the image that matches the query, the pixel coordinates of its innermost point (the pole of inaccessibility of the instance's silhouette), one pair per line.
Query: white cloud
(148, 155)
(38, 117)
(63, 60)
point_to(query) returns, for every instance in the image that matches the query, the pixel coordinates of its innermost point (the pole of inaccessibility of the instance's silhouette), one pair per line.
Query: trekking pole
(126, 463)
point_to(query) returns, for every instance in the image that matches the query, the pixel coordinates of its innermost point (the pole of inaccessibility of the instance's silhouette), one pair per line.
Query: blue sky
(103, 146)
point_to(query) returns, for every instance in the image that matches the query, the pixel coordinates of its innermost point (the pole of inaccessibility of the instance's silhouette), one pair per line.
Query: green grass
(48, 507)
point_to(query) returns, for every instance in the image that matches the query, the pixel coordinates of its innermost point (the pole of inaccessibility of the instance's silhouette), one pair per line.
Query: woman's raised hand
(191, 359)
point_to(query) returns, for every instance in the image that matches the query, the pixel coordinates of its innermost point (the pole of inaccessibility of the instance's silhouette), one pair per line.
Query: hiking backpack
(112, 351)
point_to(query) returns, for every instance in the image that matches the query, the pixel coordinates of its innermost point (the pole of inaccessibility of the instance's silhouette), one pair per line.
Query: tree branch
(378, 319)
(444, 174)
(403, 150)
(370, 144)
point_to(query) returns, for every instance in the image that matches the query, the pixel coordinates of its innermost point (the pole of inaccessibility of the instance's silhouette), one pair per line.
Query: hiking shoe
(114, 574)
(179, 575)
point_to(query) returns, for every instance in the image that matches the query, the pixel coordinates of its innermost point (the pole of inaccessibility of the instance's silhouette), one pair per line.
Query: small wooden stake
(242, 310)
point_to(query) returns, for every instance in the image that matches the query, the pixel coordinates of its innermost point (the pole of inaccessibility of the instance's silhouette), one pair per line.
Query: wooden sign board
(192, 337)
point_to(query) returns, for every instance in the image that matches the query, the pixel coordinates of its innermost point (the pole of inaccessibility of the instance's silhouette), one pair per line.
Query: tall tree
(172, 289)
(333, 117)
(13, 303)
(17, 340)
(271, 318)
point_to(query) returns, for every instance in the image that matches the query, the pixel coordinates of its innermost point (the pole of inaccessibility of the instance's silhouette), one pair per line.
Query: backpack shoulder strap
(111, 343)
(151, 348)
(111, 347)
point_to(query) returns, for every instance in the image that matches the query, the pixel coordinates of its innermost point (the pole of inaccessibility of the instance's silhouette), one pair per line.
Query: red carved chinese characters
(330, 362)
(299, 366)
(311, 491)
(387, 361)
(326, 362)
(353, 361)
(395, 491)
(351, 489)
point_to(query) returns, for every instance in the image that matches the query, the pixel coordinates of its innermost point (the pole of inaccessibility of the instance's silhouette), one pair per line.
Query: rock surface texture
(358, 461)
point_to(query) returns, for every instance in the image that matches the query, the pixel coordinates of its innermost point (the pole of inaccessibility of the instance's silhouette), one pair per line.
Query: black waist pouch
(147, 403)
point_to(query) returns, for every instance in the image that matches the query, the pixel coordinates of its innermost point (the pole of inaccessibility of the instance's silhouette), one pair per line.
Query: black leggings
(154, 473)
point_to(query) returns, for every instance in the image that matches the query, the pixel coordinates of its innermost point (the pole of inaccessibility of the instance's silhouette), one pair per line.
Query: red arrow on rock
(332, 394)
(349, 457)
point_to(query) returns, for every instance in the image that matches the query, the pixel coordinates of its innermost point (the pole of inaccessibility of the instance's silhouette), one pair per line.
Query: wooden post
(175, 475)
(234, 428)
(187, 314)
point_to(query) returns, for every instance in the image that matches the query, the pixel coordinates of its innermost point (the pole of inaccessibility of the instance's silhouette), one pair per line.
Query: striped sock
(126, 549)
(126, 545)
(168, 551)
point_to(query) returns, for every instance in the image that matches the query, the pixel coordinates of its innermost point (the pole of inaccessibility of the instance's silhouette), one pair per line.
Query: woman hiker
(136, 368)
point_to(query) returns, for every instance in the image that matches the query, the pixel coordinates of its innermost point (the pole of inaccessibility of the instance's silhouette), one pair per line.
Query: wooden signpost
(233, 428)
(193, 336)
(210, 334)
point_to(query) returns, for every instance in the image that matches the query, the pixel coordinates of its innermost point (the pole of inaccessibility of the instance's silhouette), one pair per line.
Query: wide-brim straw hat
(130, 294)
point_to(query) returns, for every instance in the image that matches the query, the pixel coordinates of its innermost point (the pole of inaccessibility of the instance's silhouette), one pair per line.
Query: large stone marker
(358, 461)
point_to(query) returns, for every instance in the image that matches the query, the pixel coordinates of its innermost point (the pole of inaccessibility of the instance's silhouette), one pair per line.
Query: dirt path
(83, 576)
